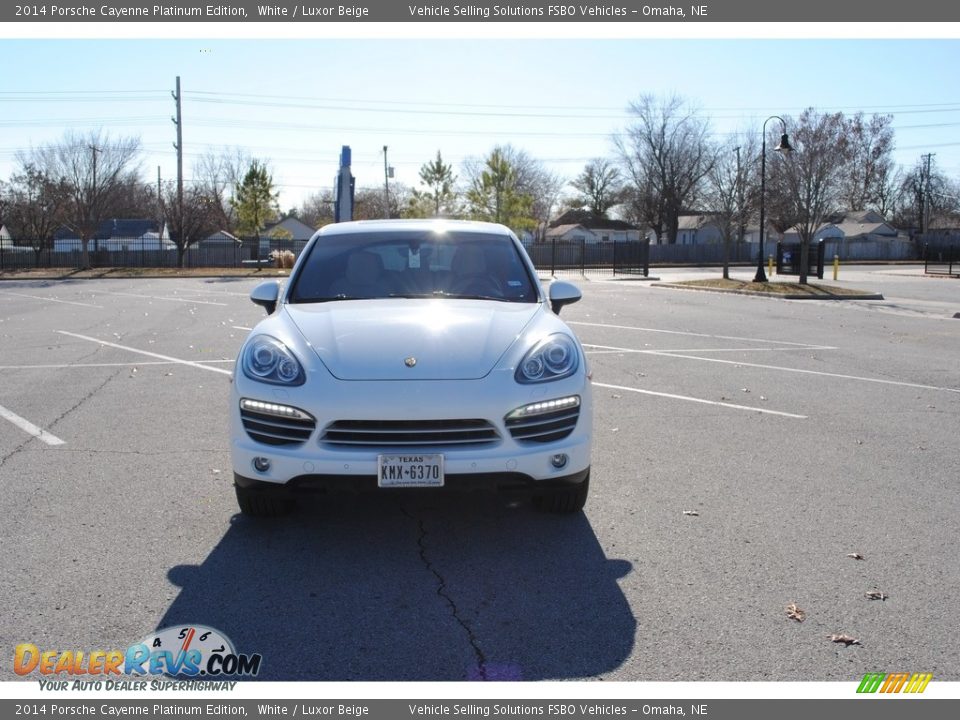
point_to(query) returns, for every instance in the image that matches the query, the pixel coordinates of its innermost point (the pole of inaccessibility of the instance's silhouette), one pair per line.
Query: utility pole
(925, 195)
(160, 213)
(178, 121)
(739, 213)
(94, 214)
(386, 185)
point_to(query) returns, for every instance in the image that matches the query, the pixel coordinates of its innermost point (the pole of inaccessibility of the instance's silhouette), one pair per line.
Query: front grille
(546, 427)
(274, 430)
(378, 433)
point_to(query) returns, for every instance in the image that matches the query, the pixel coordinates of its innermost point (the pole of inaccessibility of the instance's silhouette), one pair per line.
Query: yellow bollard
(836, 266)
(769, 265)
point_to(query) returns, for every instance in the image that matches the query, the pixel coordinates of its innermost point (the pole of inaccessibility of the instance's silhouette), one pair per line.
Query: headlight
(551, 359)
(267, 359)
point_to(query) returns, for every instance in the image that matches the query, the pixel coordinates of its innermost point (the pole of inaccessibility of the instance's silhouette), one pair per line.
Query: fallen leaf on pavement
(795, 613)
(843, 638)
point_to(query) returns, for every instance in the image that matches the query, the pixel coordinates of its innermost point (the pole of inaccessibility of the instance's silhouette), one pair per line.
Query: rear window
(413, 265)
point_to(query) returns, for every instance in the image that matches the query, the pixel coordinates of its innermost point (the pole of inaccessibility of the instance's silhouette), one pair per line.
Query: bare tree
(36, 206)
(869, 163)
(316, 210)
(537, 182)
(666, 153)
(368, 202)
(217, 176)
(97, 168)
(731, 191)
(599, 187)
(199, 218)
(644, 206)
(927, 198)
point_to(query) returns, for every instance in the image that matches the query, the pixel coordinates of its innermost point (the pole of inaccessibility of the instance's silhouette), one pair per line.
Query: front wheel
(263, 503)
(565, 500)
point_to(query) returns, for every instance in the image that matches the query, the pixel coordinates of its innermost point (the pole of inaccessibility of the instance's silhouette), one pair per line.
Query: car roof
(406, 226)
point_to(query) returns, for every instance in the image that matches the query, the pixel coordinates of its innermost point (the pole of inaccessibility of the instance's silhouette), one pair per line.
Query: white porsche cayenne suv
(411, 354)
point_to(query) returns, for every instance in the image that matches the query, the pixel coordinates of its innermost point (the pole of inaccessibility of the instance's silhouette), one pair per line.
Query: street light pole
(783, 147)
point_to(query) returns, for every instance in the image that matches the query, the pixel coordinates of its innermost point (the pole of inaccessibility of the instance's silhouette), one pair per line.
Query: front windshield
(413, 265)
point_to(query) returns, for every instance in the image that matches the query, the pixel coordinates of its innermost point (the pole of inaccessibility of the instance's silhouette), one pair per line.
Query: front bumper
(504, 462)
(504, 482)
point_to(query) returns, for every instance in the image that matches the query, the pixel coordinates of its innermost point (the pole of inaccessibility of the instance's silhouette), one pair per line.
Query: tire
(263, 503)
(564, 501)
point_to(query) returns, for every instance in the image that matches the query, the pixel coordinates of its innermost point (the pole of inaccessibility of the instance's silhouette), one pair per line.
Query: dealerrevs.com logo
(190, 651)
(912, 683)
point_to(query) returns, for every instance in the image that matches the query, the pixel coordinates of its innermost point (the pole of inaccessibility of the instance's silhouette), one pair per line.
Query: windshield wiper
(453, 296)
(341, 296)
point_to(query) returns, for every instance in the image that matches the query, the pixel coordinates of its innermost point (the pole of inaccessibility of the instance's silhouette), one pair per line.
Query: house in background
(220, 248)
(571, 233)
(580, 225)
(289, 228)
(698, 230)
(115, 235)
(861, 225)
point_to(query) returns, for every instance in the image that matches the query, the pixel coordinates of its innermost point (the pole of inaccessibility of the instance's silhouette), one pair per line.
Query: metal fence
(613, 258)
(942, 258)
(551, 257)
(145, 252)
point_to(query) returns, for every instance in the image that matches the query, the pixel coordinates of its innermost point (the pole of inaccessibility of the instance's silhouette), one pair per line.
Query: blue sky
(295, 102)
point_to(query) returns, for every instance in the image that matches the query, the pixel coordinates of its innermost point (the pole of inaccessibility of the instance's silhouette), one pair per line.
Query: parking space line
(703, 401)
(49, 299)
(612, 349)
(160, 297)
(690, 334)
(69, 366)
(179, 361)
(29, 428)
(199, 291)
(821, 373)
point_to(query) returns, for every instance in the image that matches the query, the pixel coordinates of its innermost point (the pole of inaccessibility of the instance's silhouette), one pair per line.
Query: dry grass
(784, 289)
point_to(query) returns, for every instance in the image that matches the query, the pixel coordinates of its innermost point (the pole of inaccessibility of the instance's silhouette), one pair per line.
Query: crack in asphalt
(17, 449)
(442, 592)
(29, 440)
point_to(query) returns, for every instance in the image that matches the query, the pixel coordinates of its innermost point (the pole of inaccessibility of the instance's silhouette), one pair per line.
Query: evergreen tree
(255, 201)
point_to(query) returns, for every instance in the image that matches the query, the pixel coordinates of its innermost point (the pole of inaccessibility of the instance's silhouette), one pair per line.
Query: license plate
(410, 471)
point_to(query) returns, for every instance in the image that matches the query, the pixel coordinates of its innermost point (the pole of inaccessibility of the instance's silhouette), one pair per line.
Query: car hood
(407, 339)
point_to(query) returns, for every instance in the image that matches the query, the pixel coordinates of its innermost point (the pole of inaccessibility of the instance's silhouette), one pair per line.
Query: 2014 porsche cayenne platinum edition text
(411, 354)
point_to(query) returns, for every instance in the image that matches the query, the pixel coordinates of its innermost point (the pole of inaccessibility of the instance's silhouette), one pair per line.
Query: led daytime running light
(265, 408)
(548, 406)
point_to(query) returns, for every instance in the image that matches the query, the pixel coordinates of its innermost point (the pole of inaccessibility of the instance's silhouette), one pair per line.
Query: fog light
(261, 464)
(559, 461)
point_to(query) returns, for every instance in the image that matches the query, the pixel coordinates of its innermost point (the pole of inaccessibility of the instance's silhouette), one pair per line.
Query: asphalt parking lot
(744, 449)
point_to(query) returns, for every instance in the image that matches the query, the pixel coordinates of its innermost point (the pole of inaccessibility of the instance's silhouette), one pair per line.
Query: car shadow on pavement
(413, 587)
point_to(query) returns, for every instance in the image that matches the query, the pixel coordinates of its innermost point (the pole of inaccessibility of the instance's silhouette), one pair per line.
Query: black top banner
(485, 11)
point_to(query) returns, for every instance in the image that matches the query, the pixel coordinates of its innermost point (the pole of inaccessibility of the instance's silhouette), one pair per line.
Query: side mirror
(563, 293)
(266, 295)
